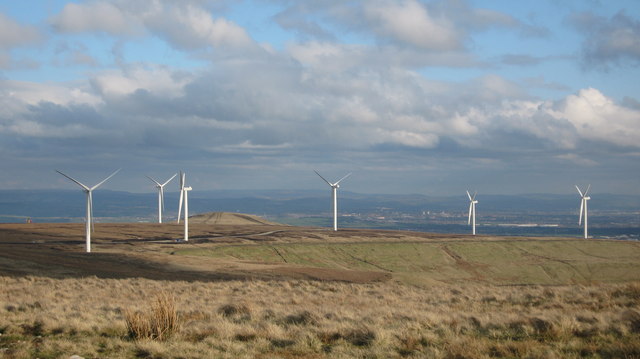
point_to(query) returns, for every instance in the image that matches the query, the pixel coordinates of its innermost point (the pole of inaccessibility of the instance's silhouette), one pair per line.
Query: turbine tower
(160, 188)
(472, 211)
(184, 198)
(583, 209)
(89, 219)
(334, 190)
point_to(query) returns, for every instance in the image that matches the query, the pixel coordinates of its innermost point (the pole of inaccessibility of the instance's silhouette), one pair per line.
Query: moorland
(242, 287)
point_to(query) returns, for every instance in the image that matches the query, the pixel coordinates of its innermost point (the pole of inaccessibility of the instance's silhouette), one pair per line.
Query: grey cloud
(608, 42)
(290, 19)
(13, 34)
(98, 16)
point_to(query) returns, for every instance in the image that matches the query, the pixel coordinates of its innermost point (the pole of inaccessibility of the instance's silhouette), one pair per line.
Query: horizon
(413, 96)
(341, 190)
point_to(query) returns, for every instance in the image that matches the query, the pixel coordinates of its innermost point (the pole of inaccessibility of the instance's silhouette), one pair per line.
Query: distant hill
(119, 206)
(229, 218)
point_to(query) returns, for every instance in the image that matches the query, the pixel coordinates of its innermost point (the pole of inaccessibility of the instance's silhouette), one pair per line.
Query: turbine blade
(579, 191)
(105, 180)
(76, 181)
(469, 195)
(154, 181)
(180, 205)
(470, 207)
(340, 180)
(581, 211)
(324, 179)
(183, 178)
(587, 191)
(474, 195)
(169, 180)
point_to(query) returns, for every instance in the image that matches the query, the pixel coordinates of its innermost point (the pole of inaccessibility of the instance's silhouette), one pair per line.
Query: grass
(56, 318)
(159, 322)
(543, 262)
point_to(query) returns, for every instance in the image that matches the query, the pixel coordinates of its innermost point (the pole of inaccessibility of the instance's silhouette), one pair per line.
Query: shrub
(160, 322)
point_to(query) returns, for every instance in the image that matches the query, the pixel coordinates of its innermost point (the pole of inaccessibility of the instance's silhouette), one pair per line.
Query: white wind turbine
(184, 198)
(89, 219)
(472, 211)
(334, 190)
(160, 187)
(583, 209)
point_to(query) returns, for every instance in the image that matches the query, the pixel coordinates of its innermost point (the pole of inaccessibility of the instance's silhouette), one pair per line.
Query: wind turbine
(160, 188)
(583, 209)
(334, 190)
(88, 191)
(472, 211)
(184, 198)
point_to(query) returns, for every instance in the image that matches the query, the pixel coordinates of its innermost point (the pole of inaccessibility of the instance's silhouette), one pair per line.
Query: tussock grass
(98, 318)
(159, 322)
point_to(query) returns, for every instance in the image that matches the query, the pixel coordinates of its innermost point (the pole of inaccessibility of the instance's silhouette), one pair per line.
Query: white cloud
(408, 138)
(597, 117)
(186, 25)
(22, 92)
(157, 80)
(410, 22)
(190, 27)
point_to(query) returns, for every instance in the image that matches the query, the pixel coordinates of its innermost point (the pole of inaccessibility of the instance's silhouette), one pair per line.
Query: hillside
(272, 291)
(227, 218)
(256, 250)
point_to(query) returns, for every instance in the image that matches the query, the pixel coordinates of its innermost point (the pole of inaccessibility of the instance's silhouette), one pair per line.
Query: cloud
(190, 27)
(608, 42)
(157, 80)
(409, 26)
(94, 16)
(13, 34)
(410, 22)
(363, 98)
(185, 25)
(597, 117)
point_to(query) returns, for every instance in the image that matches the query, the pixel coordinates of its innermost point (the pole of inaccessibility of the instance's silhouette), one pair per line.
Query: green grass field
(546, 262)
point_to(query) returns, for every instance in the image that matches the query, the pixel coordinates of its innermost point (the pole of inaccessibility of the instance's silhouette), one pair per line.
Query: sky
(425, 97)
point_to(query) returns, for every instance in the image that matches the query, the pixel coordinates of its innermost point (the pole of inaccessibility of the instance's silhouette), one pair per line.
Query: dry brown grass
(159, 322)
(94, 318)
